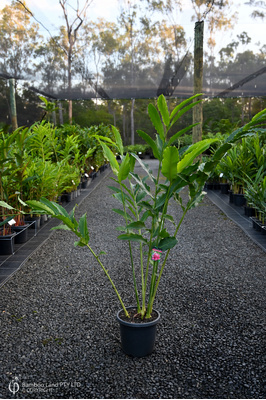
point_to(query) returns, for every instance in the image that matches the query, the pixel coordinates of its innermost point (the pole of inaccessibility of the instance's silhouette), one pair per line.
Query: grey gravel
(60, 338)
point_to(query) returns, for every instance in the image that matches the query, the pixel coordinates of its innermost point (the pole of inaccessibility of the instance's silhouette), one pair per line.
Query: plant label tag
(86, 175)
(11, 222)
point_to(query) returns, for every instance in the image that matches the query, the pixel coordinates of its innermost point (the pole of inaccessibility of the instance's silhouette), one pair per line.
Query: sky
(49, 12)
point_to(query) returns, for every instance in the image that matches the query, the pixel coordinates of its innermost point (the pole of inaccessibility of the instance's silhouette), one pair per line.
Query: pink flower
(156, 255)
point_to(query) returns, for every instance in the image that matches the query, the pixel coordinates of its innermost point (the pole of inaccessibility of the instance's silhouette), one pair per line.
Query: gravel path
(60, 338)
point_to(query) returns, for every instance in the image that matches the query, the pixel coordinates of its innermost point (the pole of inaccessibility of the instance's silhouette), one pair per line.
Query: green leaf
(162, 105)
(136, 225)
(181, 105)
(39, 207)
(144, 166)
(111, 158)
(118, 140)
(156, 120)
(123, 213)
(143, 185)
(167, 243)
(5, 205)
(178, 134)
(124, 168)
(83, 228)
(132, 237)
(145, 215)
(185, 109)
(169, 163)
(140, 196)
(61, 227)
(193, 152)
(160, 200)
(150, 142)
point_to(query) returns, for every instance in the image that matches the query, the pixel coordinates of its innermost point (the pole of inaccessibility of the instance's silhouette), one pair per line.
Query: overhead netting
(122, 62)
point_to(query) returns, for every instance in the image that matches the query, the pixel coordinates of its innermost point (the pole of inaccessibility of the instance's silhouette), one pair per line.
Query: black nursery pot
(138, 339)
(239, 200)
(21, 233)
(7, 244)
(224, 188)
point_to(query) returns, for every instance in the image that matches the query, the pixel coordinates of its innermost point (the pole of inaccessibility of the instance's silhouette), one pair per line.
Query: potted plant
(144, 206)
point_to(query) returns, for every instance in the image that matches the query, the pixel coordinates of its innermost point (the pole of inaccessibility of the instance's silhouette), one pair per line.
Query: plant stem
(108, 276)
(164, 262)
(130, 251)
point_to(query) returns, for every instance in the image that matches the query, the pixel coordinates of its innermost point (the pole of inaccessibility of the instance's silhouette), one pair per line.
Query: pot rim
(138, 325)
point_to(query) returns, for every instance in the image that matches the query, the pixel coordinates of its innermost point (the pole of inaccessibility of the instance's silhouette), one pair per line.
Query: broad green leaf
(160, 146)
(80, 243)
(193, 152)
(39, 207)
(5, 205)
(143, 185)
(183, 111)
(170, 218)
(61, 226)
(178, 134)
(136, 225)
(83, 228)
(121, 228)
(167, 243)
(160, 200)
(146, 215)
(67, 222)
(181, 105)
(156, 120)
(164, 233)
(169, 163)
(162, 105)
(118, 140)
(132, 237)
(144, 166)
(140, 196)
(111, 158)
(132, 162)
(124, 168)
(123, 213)
(150, 142)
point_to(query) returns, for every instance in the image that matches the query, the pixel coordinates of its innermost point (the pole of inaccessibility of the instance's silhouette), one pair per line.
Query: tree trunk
(132, 122)
(124, 121)
(13, 108)
(69, 83)
(198, 80)
(60, 110)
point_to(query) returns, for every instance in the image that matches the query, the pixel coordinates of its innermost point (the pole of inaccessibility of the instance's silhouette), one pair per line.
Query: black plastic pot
(231, 196)
(256, 224)
(216, 186)
(209, 185)
(36, 219)
(7, 244)
(239, 200)
(21, 233)
(249, 211)
(138, 339)
(224, 188)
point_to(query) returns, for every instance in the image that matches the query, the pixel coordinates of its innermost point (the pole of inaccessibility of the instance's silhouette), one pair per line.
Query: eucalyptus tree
(18, 40)
(74, 17)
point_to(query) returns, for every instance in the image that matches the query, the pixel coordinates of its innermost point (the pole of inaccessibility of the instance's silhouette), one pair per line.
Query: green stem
(131, 255)
(152, 228)
(156, 263)
(149, 310)
(108, 276)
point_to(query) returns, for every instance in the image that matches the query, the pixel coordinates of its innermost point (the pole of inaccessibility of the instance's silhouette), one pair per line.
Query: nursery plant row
(242, 175)
(44, 161)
